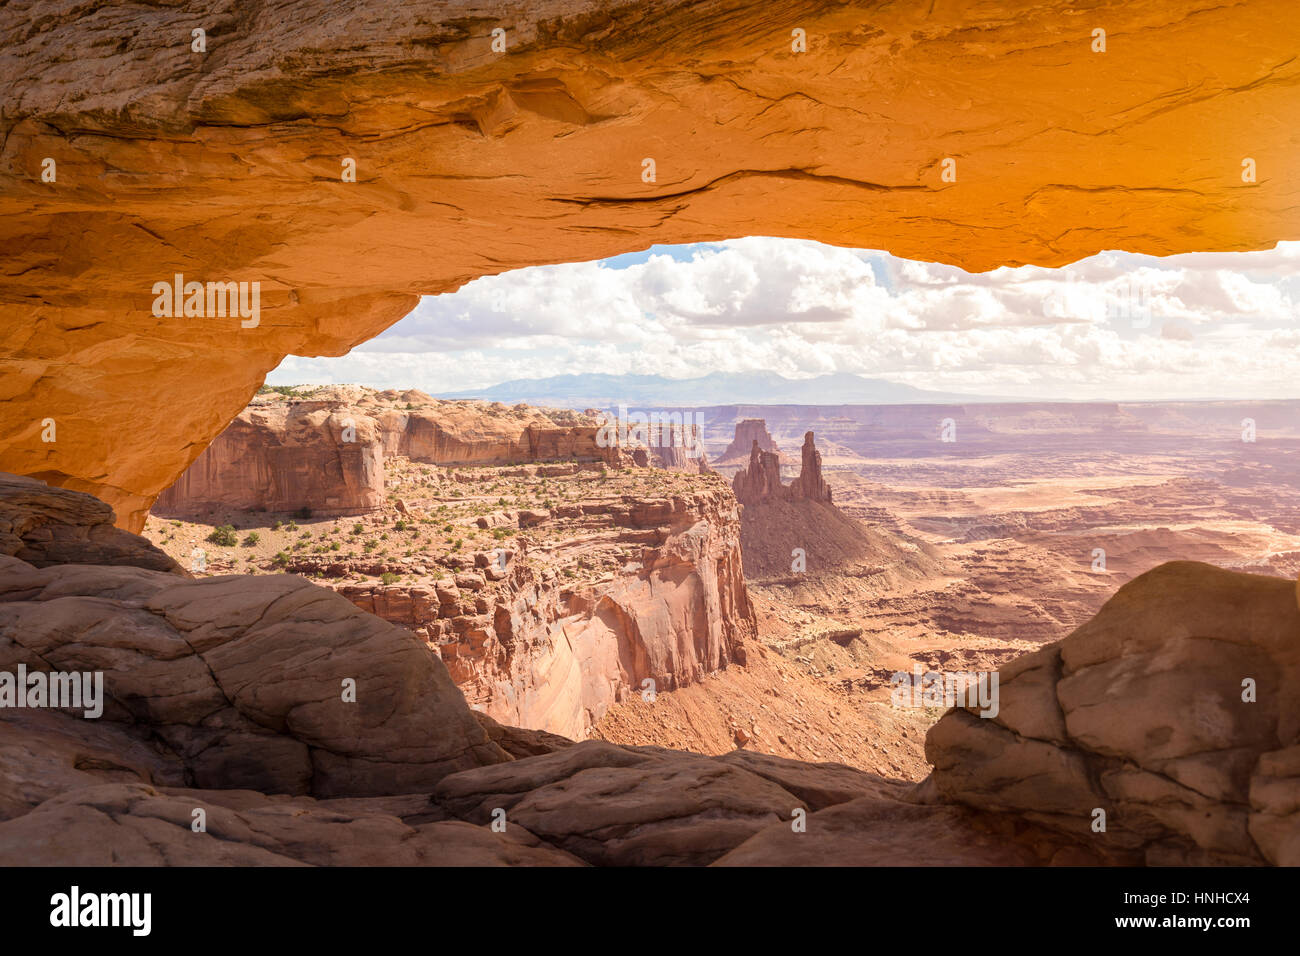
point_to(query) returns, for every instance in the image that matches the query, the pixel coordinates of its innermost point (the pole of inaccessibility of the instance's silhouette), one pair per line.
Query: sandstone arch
(226, 165)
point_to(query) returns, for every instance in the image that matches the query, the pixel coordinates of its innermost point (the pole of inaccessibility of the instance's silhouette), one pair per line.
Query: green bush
(388, 577)
(251, 539)
(224, 535)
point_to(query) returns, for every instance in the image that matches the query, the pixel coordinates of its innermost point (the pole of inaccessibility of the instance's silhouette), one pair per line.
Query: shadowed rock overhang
(227, 166)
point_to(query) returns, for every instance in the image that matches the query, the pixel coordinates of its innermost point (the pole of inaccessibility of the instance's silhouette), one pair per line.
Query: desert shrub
(251, 539)
(358, 528)
(388, 577)
(224, 535)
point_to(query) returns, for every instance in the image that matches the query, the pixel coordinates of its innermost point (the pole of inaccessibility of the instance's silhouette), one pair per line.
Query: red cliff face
(326, 451)
(532, 650)
(284, 457)
(761, 481)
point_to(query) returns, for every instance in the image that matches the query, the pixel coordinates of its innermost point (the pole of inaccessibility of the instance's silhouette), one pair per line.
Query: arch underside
(226, 166)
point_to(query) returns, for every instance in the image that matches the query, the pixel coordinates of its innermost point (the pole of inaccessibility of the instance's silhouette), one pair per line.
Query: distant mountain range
(719, 388)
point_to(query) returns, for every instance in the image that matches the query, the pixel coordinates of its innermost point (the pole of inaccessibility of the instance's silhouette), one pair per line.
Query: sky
(1114, 326)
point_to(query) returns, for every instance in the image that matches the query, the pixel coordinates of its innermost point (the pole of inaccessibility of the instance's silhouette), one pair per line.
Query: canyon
(967, 564)
(487, 615)
(219, 698)
(554, 573)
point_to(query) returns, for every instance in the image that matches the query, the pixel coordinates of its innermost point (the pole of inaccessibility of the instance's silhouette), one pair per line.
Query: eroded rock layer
(533, 648)
(977, 135)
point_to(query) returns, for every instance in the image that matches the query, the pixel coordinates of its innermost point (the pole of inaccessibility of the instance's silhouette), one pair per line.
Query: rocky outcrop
(482, 161)
(810, 485)
(285, 456)
(41, 526)
(761, 481)
(1173, 712)
(268, 683)
(749, 432)
(674, 457)
(531, 647)
(204, 666)
(324, 449)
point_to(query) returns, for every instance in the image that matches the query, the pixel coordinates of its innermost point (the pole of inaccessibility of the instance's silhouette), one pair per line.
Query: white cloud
(1112, 326)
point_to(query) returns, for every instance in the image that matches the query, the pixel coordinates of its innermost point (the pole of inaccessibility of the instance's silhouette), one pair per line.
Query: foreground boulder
(1175, 712)
(41, 526)
(136, 825)
(268, 683)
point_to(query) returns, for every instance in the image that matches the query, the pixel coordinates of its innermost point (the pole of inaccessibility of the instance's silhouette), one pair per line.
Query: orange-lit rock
(227, 165)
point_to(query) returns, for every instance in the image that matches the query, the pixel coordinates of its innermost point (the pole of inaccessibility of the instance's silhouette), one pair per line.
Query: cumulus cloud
(1112, 326)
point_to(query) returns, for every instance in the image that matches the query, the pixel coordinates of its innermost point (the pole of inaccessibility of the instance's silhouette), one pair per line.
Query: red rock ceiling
(225, 165)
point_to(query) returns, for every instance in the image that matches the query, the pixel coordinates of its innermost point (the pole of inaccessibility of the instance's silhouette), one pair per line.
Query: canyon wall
(531, 649)
(525, 644)
(325, 451)
(995, 135)
(283, 457)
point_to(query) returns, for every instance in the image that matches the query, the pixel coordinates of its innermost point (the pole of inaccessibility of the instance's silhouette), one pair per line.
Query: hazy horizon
(1112, 327)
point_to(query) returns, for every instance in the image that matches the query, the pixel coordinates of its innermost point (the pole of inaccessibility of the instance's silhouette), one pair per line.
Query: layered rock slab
(137, 825)
(41, 526)
(1174, 710)
(646, 806)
